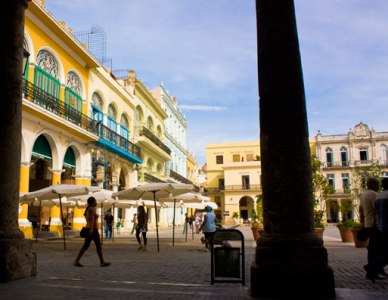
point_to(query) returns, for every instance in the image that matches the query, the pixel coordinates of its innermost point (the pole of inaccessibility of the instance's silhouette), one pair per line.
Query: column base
(16, 259)
(291, 267)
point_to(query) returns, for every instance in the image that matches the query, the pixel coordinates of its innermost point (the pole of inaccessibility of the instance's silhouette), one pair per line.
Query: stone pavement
(180, 272)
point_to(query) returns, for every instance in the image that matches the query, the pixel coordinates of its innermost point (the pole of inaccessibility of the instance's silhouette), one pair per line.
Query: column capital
(56, 171)
(26, 164)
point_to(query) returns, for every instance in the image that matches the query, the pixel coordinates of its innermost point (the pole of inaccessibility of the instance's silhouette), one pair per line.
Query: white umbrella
(201, 205)
(151, 191)
(136, 203)
(183, 198)
(57, 192)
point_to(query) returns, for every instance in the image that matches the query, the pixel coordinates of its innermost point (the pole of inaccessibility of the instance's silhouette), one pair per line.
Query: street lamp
(26, 55)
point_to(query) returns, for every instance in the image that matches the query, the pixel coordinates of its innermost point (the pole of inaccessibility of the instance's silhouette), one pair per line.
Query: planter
(257, 232)
(319, 231)
(358, 243)
(346, 235)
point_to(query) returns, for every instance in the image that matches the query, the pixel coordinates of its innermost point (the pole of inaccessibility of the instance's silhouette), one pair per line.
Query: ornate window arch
(139, 114)
(344, 156)
(124, 126)
(74, 82)
(97, 101)
(47, 62)
(329, 157)
(150, 123)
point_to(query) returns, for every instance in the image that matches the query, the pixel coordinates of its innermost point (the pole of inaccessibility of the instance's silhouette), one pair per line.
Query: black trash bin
(227, 262)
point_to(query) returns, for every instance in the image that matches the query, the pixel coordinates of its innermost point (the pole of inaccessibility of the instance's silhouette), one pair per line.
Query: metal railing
(337, 164)
(57, 107)
(65, 111)
(150, 178)
(147, 133)
(242, 187)
(177, 176)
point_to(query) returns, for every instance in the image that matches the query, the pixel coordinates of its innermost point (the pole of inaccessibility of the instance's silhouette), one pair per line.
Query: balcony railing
(150, 178)
(242, 187)
(177, 176)
(66, 112)
(57, 107)
(147, 133)
(116, 139)
(337, 164)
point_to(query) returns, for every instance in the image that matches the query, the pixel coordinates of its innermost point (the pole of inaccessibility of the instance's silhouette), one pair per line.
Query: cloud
(202, 107)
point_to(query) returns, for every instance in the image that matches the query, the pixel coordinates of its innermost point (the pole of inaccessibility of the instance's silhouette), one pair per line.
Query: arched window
(73, 91)
(46, 74)
(383, 155)
(112, 124)
(124, 125)
(344, 156)
(329, 157)
(25, 46)
(138, 115)
(159, 132)
(97, 106)
(150, 124)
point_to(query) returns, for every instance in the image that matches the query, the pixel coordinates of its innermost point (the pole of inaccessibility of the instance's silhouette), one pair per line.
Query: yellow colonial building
(76, 121)
(234, 178)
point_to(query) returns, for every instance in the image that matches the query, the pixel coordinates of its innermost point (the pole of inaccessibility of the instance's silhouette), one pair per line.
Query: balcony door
(245, 182)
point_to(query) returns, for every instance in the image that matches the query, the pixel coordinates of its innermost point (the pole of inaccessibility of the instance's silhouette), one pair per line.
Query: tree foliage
(321, 189)
(358, 185)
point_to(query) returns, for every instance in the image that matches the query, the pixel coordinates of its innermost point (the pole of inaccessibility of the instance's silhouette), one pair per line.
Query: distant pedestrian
(134, 221)
(141, 227)
(186, 224)
(108, 224)
(208, 226)
(93, 235)
(381, 207)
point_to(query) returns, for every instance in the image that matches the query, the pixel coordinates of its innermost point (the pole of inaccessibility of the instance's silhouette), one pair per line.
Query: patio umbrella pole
(173, 227)
(102, 227)
(156, 218)
(63, 225)
(113, 223)
(38, 222)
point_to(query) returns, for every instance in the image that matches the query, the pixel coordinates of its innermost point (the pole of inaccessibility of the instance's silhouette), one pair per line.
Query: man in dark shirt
(381, 208)
(108, 224)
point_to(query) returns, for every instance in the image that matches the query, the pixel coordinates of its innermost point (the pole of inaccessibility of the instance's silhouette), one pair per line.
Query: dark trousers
(95, 237)
(382, 257)
(144, 234)
(373, 245)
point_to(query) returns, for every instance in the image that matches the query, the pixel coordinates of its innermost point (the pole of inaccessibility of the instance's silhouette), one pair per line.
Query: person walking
(141, 227)
(186, 224)
(93, 234)
(375, 268)
(134, 221)
(108, 225)
(368, 217)
(208, 227)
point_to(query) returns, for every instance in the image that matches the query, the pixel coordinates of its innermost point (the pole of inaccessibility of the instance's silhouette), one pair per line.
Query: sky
(205, 53)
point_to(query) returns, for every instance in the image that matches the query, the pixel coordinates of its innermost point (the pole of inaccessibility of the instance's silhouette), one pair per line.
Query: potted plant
(235, 217)
(355, 229)
(256, 215)
(345, 228)
(319, 227)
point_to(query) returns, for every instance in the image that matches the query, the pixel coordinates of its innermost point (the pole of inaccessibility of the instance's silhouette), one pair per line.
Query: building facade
(341, 155)
(77, 121)
(233, 178)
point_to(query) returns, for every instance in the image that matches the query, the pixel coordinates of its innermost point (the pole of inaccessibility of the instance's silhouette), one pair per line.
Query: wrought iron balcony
(242, 187)
(57, 107)
(337, 164)
(147, 133)
(150, 178)
(177, 176)
(66, 112)
(116, 139)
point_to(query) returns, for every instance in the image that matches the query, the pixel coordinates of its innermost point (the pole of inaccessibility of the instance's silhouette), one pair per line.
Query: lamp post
(26, 55)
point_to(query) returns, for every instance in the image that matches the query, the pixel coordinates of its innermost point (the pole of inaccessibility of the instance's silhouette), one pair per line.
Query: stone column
(290, 260)
(55, 211)
(16, 259)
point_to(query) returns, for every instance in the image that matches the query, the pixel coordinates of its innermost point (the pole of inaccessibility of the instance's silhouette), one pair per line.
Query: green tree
(358, 185)
(321, 190)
